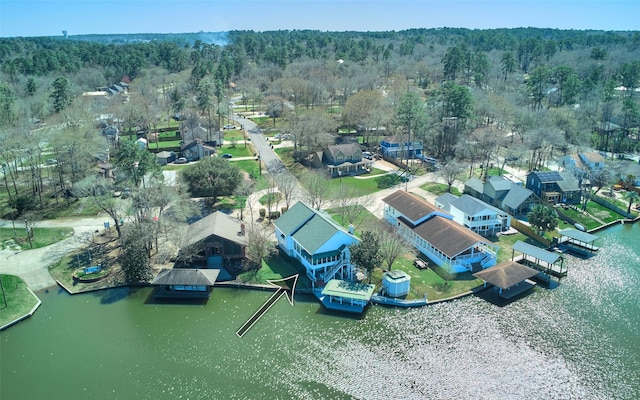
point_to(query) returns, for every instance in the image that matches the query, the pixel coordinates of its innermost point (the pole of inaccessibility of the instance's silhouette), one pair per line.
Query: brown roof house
(341, 160)
(218, 241)
(433, 232)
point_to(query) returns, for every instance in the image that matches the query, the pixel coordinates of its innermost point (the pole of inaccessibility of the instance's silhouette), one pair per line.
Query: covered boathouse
(578, 242)
(547, 262)
(185, 282)
(346, 296)
(509, 278)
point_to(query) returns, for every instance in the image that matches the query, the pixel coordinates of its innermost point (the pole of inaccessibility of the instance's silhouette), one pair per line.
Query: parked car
(52, 161)
(368, 155)
(180, 160)
(229, 126)
(227, 155)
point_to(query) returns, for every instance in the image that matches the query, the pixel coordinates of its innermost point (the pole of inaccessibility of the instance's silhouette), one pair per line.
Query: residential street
(31, 265)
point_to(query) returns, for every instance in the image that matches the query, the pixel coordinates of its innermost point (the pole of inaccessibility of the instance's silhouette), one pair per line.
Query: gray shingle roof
(499, 184)
(568, 182)
(445, 200)
(218, 224)
(472, 206)
(516, 196)
(475, 184)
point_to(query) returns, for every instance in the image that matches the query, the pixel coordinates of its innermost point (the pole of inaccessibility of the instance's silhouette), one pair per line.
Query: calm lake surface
(580, 340)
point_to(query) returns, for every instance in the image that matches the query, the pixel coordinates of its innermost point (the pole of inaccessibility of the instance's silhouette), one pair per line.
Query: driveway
(32, 265)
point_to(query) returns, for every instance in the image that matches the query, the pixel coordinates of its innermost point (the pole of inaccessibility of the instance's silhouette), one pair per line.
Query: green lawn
(433, 281)
(364, 218)
(439, 188)
(83, 207)
(275, 267)
(41, 237)
(19, 300)
(239, 150)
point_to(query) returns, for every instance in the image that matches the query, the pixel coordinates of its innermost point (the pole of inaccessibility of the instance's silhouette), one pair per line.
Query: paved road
(31, 265)
(269, 158)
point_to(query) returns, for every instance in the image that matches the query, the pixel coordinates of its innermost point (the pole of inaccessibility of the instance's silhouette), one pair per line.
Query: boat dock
(547, 262)
(577, 242)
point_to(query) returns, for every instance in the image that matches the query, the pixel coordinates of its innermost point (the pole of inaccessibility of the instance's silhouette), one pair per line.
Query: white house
(433, 232)
(475, 214)
(317, 241)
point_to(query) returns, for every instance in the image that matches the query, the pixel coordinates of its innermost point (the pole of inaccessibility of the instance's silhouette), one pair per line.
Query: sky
(51, 17)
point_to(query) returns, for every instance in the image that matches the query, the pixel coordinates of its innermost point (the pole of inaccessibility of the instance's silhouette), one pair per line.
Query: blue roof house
(399, 146)
(314, 239)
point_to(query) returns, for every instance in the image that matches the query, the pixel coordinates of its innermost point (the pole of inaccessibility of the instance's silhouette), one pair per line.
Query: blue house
(433, 232)
(399, 146)
(554, 187)
(317, 242)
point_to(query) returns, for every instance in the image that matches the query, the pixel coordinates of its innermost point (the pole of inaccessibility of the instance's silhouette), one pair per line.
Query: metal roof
(506, 274)
(187, 276)
(536, 252)
(578, 235)
(348, 290)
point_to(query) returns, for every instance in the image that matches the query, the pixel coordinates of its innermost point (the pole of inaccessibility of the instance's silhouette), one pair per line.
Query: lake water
(578, 341)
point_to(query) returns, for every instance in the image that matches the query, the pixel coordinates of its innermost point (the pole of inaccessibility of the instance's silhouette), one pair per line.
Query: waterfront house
(554, 187)
(432, 231)
(400, 146)
(474, 214)
(314, 239)
(341, 160)
(217, 240)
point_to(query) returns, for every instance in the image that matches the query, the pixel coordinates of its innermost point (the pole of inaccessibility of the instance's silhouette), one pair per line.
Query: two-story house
(502, 193)
(474, 214)
(217, 240)
(314, 239)
(341, 160)
(401, 146)
(433, 232)
(554, 187)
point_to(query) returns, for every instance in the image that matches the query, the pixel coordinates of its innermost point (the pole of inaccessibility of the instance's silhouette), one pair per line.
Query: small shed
(165, 157)
(396, 283)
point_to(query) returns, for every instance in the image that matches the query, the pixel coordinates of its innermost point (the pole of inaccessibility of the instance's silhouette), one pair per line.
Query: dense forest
(467, 94)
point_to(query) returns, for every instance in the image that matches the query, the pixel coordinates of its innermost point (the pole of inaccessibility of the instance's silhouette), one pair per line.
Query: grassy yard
(83, 207)
(433, 281)
(41, 237)
(19, 300)
(439, 188)
(275, 267)
(239, 150)
(365, 218)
